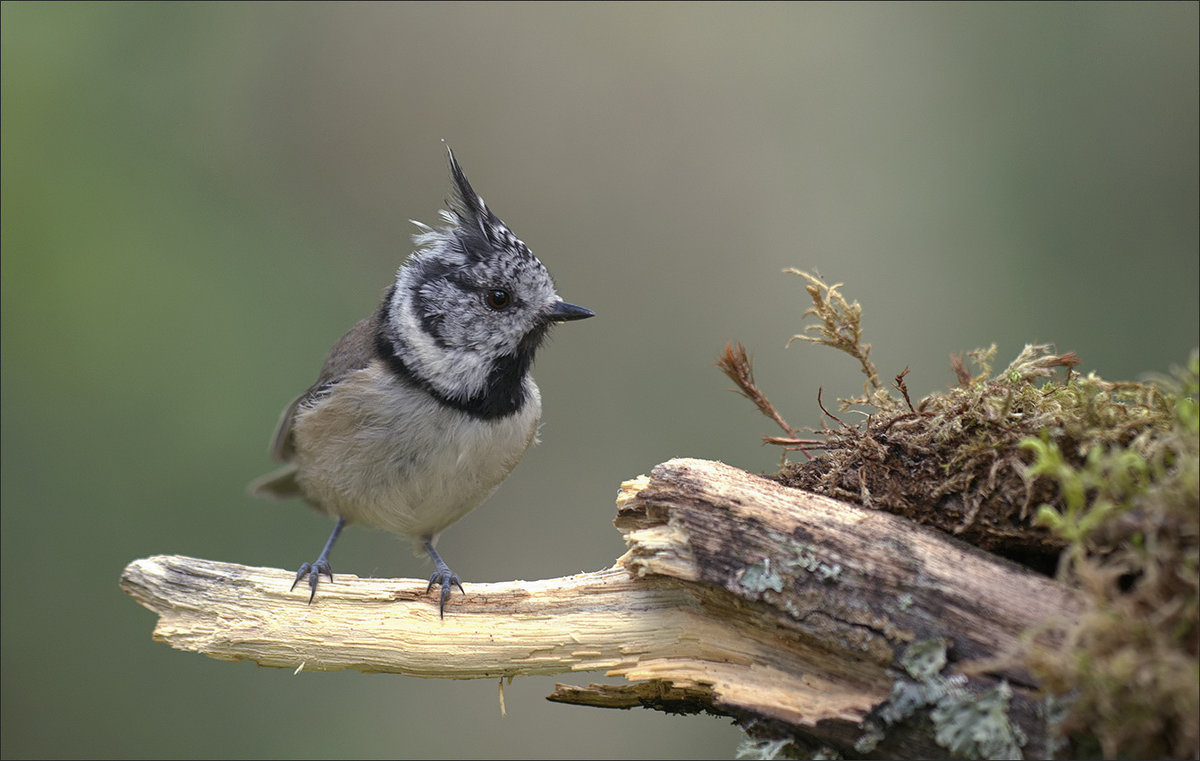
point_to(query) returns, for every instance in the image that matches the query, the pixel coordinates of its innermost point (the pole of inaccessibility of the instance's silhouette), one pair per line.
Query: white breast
(379, 452)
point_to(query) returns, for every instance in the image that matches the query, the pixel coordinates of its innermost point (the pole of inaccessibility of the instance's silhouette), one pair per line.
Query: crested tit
(424, 407)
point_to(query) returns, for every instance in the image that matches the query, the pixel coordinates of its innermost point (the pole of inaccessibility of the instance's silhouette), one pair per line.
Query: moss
(1095, 481)
(1131, 517)
(953, 460)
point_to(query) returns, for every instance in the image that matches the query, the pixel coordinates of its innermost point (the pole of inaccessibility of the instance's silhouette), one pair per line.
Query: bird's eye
(497, 298)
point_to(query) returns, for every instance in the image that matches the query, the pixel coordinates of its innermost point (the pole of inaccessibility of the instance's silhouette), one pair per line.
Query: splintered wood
(737, 596)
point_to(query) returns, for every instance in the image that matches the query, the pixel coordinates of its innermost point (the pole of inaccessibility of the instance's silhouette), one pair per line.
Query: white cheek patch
(455, 373)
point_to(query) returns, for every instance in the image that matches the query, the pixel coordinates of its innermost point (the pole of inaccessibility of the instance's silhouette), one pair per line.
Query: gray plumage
(422, 409)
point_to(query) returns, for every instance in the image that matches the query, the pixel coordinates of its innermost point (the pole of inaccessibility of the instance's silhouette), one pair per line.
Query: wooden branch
(591, 621)
(801, 616)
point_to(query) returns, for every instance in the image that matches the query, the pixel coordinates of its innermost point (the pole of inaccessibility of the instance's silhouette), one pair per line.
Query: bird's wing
(352, 352)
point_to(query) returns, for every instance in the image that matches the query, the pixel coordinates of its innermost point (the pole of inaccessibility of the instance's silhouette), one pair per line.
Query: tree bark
(809, 620)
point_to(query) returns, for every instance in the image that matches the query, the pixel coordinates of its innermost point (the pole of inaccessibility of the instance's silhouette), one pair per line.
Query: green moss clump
(1131, 516)
(954, 460)
(1097, 482)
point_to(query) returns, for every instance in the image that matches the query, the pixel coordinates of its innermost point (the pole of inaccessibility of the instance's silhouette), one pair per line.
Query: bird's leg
(321, 565)
(441, 575)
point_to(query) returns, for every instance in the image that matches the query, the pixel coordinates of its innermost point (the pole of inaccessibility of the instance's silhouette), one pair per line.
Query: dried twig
(960, 370)
(736, 363)
(903, 387)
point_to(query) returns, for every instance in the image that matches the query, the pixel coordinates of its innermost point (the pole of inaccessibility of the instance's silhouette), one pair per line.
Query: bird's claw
(446, 578)
(313, 571)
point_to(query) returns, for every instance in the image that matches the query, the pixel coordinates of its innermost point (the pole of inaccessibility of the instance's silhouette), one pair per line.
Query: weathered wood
(832, 596)
(586, 622)
(790, 611)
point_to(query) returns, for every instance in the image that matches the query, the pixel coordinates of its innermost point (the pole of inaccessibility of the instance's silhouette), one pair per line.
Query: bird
(424, 407)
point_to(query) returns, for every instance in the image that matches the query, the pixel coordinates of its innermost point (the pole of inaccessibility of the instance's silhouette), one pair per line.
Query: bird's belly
(394, 458)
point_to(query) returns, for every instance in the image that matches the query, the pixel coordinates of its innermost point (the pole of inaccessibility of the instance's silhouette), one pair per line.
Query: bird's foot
(443, 576)
(313, 571)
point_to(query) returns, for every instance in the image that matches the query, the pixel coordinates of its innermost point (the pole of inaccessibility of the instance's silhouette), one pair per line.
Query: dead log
(809, 620)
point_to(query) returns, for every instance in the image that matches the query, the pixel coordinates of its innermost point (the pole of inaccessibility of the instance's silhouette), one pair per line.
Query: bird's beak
(564, 312)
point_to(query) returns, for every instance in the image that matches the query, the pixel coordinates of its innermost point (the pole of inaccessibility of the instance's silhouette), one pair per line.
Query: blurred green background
(199, 199)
